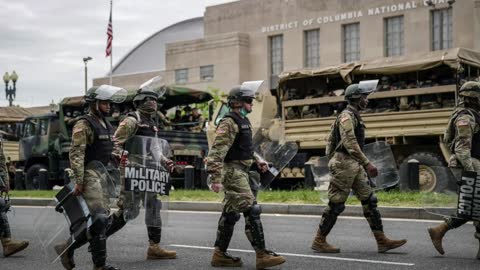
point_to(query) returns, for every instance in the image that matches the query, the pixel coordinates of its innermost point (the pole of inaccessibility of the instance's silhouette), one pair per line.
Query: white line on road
(306, 256)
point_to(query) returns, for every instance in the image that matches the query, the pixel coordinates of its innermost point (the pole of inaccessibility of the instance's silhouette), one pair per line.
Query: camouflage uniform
(238, 194)
(464, 127)
(95, 190)
(93, 193)
(10, 246)
(347, 169)
(228, 163)
(347, 172)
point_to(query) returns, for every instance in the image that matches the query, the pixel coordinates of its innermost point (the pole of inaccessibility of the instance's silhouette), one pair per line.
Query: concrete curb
(271, 208)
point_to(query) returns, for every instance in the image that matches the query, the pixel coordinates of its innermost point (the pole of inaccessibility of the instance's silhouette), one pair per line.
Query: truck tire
(32, 177)
(432, 174)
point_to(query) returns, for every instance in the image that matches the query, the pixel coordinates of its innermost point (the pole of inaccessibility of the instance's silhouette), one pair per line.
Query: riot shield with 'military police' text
(146, 184)
(379, 153)
(277, 155)
(460, 200)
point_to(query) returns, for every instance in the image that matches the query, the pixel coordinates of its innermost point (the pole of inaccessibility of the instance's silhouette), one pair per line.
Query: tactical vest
(242, 148)
(145, 125)
(102, 146)
(359, 131)
(449, 136)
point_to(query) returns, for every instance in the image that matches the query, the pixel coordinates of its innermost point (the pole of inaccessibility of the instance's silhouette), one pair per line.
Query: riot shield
(146, 181)
(67, 219)
(457, 201)
(276, 154)
(379, 153)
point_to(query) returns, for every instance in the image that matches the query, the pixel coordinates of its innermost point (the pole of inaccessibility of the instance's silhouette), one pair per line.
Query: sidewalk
(271, 208)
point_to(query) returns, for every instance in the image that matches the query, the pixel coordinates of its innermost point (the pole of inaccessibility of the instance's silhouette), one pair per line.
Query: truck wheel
(32, 178)
(431, 175)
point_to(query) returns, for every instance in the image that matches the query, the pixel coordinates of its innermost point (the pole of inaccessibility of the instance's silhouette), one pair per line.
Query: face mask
(244, 112)
(148, 107)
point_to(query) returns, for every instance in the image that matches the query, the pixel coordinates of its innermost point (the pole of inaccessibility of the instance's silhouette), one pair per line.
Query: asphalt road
(192, 234)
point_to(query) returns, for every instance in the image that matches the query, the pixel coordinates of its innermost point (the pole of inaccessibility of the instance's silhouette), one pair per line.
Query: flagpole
(111, 54)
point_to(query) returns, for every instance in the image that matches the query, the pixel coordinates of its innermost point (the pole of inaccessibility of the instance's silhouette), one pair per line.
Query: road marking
(268, 215)
(305, 256)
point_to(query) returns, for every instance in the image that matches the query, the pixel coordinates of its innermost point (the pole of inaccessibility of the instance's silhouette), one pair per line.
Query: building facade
(258, 39)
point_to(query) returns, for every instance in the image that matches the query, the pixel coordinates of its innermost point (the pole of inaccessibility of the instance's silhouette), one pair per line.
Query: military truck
(409, 110)
(46, 138)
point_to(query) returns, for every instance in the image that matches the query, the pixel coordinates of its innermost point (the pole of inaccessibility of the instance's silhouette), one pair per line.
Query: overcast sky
(45, 41)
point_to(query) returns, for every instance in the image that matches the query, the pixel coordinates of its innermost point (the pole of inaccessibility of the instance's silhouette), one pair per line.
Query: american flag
(108, 51)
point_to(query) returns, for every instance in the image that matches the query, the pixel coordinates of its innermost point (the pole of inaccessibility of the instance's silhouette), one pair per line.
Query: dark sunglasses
(150, 99)
(248, 100)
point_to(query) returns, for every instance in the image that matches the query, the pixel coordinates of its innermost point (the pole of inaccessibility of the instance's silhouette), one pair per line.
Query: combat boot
(155, 252)
(66, 258)
(320, 244)
(267, 258)
(11, 246)
(436, 234)
(106, 267)
(384, 244)
(224, 259)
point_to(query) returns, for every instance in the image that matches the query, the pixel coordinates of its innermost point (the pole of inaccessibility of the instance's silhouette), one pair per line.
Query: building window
(276, 59)
(394, 36)
(181, 75)
(312, 48)
(351, 42)
(206, 73)
(442, 29)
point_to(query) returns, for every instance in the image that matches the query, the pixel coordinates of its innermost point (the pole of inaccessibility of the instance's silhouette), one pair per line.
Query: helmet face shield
(107, 93)
(367, 87)
(253, 87)
(155, 84)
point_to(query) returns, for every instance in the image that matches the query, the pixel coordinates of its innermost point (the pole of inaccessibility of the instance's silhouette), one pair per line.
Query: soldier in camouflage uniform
(140, 123)
(348, 167)
(228, 164)
(10, 246)
(463, 138)
(92, 142)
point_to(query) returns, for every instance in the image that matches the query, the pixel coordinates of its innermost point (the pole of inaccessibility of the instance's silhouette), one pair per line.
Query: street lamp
(10, 92)
(85, 60)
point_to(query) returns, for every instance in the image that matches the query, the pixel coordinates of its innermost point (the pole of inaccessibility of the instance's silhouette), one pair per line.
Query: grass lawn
(391, 198)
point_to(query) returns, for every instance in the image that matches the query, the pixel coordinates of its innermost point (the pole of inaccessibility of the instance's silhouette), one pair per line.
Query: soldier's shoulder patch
(462, 123)
(77, 129)
(220, 131)
(344, 118)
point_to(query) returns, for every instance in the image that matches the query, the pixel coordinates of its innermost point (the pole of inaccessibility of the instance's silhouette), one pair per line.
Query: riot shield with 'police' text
(379, 153)
(67, 219)
(147, 182)
(276, 155)
(457, 200)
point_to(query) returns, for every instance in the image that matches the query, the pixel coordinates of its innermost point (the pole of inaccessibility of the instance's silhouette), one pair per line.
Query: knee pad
(99, 224)
(371, 201)
(3, 206)
(337, 208)
(256, 210)
(231, 217)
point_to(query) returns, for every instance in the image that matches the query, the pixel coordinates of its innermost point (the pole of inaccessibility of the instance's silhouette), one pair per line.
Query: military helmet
(142, 94)
(355, 91)
(239, 94)
(470, 89)
(106, 93)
